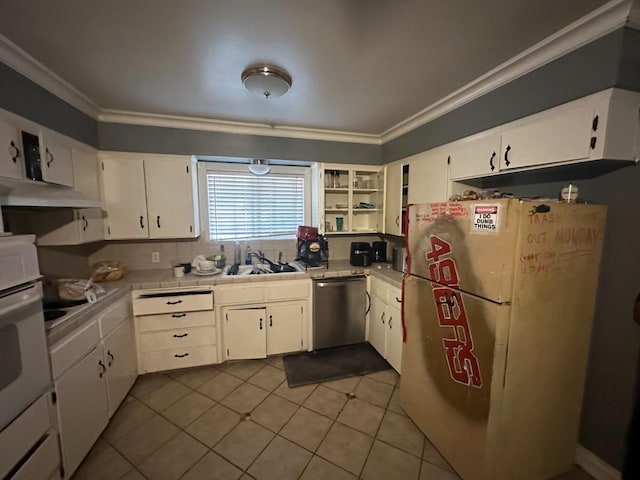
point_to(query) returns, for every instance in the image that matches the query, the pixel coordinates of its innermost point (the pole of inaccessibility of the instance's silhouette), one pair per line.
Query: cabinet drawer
(68, 351)
(287, 291)
(169, 321)
(114, 315)
(179, 358)
(243, 294)
(150, 302)
(172, 339)
(42, 464)
(394, 296)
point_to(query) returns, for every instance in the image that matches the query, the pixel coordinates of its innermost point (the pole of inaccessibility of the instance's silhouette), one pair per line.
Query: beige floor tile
(295, 394)
(281, 460)
(268, 378)
(401, 432)
(213, 425)
(131, 414)
(173, 459)
(145, 384)
(244, 443)
(320, 469)
(344, 385)
(194, 377)
(326, 401)
(389, 376)
(575, 473)
(346, 447)
(145, 439)
(213, 467)
(99, 446)
(274, 412)
(166, 395)
(188, 408)
(394, 403)
(307, 428)
(104, 464)
(431, 455)
(374, 392)
(133, 475)
(245, 398)
(220, 386)
(244, 369)
(385, 462)
(362, 416)
(275, 361)
(246, 476)
(431, 472)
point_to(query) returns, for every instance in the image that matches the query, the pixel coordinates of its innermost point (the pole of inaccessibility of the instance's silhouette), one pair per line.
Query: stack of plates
(204, 273)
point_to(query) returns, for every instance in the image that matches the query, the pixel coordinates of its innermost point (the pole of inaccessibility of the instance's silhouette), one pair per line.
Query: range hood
(29, 193)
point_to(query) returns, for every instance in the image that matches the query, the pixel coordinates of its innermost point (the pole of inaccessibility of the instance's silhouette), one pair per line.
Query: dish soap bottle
(247, 257)
(237, 255)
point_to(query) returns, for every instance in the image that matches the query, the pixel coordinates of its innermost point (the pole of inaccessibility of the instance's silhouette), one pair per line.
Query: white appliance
(498, 306)
(28, 446)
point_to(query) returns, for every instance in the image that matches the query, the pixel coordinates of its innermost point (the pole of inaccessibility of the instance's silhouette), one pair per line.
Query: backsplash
(74, 261)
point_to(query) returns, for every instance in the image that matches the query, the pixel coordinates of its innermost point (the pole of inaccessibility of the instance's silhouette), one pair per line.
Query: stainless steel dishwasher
(339, 310)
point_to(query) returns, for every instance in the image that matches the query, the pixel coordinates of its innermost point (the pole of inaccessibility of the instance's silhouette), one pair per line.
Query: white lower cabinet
(385, 322)
(175, 328)
(258, 332)
(93, 369)
(269, 318)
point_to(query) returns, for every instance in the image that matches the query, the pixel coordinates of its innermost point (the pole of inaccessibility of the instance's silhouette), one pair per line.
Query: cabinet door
(475, 158)
(11, 159)
(120, 358)
(82, 408)
(86, 178)
(428, 179)
(170, 197)
(284, 328)
(563, 134)
(378, 325)
(124, 198)
(393, 200)
(91, 224)
(245, 333)
(394, 337)
(57, 165)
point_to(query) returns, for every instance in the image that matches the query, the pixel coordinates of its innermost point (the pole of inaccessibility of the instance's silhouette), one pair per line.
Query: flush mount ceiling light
(266, 81)
(259, 166)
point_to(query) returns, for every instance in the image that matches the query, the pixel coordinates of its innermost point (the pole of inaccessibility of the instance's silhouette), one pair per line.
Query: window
(241, 206)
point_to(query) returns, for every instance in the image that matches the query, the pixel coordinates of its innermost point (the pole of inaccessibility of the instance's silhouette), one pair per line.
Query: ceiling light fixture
(266, 81)
(259, 166)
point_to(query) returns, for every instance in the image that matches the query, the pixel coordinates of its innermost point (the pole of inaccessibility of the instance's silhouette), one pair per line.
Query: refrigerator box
(498, 306)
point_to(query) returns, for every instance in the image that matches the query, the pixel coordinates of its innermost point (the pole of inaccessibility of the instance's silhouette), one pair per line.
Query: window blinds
(243, 206)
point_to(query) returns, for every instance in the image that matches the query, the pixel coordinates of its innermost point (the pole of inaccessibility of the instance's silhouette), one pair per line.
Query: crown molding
(20, 61)
(604, 20)
(609, 17)
(224, 126)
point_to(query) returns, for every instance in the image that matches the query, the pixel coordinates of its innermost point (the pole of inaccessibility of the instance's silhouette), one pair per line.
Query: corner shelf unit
(353, 193)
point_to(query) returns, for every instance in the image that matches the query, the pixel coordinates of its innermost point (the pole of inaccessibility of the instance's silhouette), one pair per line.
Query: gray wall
(135, 138)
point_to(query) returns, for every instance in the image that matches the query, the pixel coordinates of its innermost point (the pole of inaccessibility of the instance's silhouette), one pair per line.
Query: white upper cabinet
(124, 197)
(86, 177)
(149, 196)
(475, 157)
(428, 173)
(55, 159)
(11, 159)
(393, 199)
(171, 197)
(66, 226)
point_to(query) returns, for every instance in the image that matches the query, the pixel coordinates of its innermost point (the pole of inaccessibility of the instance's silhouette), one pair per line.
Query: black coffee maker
(313, 249)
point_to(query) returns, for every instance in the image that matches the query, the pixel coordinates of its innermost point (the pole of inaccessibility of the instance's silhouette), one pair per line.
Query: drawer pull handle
(382, 317)
(16, 154)
(389, 322)
(398, 300)
(111, 358)
(50, 156)
(181, 336)
(181, 355)
(102, 368)
(260, 324)
(174, 303)
(178, 315)
(271, 320)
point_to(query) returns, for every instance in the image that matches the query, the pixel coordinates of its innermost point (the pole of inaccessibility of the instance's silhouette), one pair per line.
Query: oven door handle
(15, 301)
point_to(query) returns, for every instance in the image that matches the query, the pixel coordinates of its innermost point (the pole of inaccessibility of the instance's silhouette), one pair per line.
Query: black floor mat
(332, 364)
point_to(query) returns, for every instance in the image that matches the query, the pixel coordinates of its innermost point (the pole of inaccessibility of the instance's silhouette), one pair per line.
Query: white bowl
(206, 265)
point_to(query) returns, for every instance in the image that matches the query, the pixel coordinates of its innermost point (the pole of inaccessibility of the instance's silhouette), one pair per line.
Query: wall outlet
(155, 257)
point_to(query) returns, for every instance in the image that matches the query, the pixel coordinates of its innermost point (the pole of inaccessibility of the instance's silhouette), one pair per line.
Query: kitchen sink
(264, 269)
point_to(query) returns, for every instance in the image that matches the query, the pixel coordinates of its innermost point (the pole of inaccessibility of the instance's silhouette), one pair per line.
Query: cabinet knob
(178, 315)
(174, 303)
(102, 368)
(141, 222)
(49, 157)
(111, 357)
(397, 220)
(507, 162)
(491, 165)
(181, 335)
(271, 320)
(260, 324)
(181, 355)
(158, 221)
(15, 154)
(85, 223)
(389, 322)
(382, 317)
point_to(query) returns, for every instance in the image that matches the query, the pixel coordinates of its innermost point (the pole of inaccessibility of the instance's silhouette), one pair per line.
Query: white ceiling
(359, 66)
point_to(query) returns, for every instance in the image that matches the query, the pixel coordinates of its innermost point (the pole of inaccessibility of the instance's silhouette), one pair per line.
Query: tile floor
(240, 420)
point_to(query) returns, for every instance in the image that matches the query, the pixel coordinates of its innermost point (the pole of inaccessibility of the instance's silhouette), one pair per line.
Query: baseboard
(595, 466)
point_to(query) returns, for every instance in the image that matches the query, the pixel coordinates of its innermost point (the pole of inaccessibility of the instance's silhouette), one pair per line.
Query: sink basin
(263, 269)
